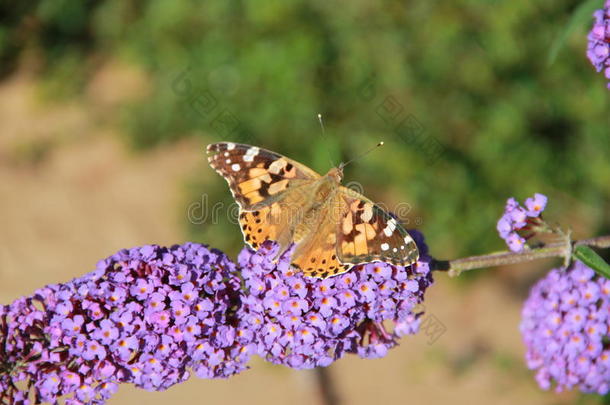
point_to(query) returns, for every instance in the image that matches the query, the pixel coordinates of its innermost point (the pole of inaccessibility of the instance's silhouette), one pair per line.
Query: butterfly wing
(257, 177)
(263, 224)
(316, 251)
(366, 233)
(280, 220)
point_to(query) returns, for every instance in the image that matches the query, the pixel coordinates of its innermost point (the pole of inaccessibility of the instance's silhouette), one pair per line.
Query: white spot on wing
(385, 246)
(230, 146)
(389, 229)
(235, 167)
(367, 214)
(249, 156)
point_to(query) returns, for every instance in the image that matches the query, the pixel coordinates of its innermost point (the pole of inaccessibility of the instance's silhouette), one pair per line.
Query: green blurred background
(472, 102)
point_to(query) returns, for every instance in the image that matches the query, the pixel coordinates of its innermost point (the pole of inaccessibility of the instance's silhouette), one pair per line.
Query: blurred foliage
(474, 74)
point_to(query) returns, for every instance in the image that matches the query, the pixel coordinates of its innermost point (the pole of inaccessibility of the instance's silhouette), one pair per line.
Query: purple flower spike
(153, 315)
(598, 50)
(566, 333)
(308, 322)
(130, 321)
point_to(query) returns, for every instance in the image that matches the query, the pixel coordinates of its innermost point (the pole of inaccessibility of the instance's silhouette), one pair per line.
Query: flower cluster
(598, 50)
(152, 315)
(565, 327)
(145, 316)
(518, 223)
(303, 322)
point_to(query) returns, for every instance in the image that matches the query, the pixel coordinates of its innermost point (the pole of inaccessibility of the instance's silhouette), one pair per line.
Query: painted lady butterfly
(333, 227)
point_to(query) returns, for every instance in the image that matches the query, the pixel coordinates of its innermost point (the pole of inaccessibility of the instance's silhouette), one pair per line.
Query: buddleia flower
(598, 49)
(152, 316)
(565, 327)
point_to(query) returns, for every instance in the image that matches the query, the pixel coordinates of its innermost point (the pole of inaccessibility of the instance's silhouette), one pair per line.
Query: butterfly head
(336, 173)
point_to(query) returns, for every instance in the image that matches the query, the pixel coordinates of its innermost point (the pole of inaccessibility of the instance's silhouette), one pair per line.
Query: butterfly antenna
(324, 137)
(361, 155)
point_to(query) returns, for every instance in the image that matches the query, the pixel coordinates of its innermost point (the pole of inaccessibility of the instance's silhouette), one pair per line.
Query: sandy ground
(72, 194)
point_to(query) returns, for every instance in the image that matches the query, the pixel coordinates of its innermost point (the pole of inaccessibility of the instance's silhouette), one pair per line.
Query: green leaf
(588, 256)
(580, 16)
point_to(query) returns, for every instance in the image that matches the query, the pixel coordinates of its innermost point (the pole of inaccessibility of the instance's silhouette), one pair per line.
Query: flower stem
(326, 386)
(559, 249)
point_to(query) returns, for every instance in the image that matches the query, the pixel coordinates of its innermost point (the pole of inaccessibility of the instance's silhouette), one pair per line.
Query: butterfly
(333, 227)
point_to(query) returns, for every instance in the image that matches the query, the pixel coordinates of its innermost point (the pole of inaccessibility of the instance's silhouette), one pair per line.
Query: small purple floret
(517, 220)
(598, 49)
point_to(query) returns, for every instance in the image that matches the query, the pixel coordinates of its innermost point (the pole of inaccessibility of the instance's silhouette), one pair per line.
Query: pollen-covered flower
(518, 223)
(598, 49)
(565, 329)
